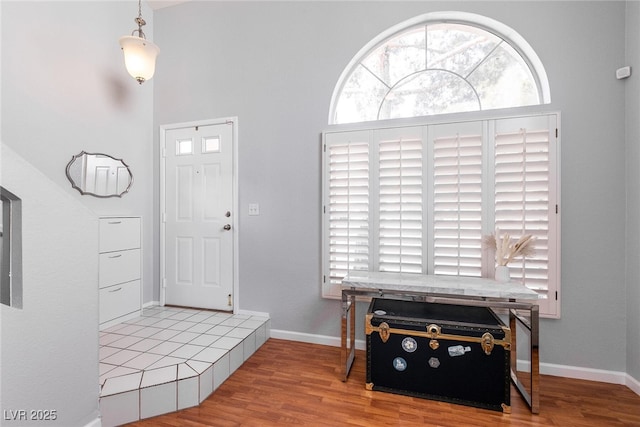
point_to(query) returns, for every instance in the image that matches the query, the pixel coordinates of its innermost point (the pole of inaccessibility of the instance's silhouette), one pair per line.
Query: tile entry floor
(171, 358)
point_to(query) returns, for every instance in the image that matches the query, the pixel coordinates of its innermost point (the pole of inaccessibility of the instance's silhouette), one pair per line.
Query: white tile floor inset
(171, 358)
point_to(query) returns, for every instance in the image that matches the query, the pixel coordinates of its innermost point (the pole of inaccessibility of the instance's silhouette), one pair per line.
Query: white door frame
(236, 208)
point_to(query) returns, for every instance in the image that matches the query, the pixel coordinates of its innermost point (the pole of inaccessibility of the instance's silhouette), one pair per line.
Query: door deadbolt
(228, 214)
(227, 227)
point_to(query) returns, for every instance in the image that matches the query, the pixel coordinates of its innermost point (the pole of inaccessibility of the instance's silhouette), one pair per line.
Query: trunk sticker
(399, 364)
(458, 350)
(409, 345)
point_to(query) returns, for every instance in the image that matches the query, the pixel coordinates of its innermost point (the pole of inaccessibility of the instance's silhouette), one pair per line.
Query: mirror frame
(81, 190)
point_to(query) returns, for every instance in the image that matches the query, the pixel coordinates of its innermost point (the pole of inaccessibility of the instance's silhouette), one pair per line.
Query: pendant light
(139, 53)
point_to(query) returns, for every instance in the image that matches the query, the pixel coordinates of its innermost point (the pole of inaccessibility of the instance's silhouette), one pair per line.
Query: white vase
(502, 274)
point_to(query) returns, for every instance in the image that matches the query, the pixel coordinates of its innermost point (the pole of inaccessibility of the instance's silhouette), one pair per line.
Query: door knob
(227, 227)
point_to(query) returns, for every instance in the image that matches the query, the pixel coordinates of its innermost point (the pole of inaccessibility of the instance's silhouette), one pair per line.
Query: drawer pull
(115, 256)
(116, 290)
(115, 222)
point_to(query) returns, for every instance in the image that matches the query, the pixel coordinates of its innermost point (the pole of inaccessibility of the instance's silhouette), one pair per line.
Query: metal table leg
(347, 348)
(533, 398)
(535, 359)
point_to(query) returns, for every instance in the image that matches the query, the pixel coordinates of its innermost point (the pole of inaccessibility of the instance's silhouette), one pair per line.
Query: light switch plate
(254, 209)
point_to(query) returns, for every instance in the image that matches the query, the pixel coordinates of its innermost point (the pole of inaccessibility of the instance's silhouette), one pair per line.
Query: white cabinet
(117, 234)
(120, 269)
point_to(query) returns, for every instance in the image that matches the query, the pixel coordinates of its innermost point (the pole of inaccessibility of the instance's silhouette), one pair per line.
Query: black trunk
(436, 351)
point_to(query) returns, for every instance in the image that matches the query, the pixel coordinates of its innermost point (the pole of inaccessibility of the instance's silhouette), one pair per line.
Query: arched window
(438, 63)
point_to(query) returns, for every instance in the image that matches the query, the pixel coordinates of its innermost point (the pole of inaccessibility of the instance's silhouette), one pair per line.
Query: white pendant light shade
(139, 57)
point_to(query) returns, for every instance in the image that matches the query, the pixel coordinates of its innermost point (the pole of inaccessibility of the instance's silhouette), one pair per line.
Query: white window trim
(501, 30)
(552, 306)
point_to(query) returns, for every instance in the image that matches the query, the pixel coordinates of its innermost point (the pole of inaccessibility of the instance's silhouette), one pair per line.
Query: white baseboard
(575, 372)
(253, 313)
(633, 384)
(95, 423)
(580, 373)
(600, 375)
(150, 304)
(312, 339)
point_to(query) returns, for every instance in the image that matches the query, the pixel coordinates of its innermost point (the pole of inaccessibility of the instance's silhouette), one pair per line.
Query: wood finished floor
(293, 383)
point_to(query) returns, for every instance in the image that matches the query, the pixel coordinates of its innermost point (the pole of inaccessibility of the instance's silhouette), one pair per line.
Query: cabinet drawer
(118, 300)
(119, 233)
(119, 267)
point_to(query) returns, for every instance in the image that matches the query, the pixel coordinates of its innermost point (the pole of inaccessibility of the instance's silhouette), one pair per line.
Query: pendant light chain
(140, 21)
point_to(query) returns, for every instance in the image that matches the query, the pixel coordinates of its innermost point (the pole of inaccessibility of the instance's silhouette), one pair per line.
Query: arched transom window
(436, 64)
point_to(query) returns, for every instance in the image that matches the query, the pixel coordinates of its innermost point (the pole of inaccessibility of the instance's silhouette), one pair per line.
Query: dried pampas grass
(506, 250)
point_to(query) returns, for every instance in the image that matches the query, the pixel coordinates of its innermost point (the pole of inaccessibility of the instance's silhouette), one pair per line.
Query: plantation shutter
(347, 170)
(400, 200)
(525, 197)
(457, 198)
(420, 199)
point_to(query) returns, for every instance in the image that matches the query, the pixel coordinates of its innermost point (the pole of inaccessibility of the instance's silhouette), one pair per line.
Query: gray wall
(275, 64)
(49, 357)
(65, 89)
(633, 189)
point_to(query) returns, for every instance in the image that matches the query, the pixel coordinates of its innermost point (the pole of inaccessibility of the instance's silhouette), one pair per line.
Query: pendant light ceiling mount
(139, 53)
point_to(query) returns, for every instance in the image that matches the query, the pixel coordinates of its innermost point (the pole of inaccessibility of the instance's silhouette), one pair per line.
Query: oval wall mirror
(99, 175)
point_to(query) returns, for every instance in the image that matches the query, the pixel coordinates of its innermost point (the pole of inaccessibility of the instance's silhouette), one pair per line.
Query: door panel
(198, 232)
(101, 177)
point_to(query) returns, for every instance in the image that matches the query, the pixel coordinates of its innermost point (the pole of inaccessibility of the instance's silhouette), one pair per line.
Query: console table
(457, 290)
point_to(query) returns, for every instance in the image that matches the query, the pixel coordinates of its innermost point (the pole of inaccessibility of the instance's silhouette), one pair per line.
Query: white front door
(198, 220)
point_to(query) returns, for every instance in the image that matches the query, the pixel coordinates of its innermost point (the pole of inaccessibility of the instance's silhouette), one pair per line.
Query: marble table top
(446, 285)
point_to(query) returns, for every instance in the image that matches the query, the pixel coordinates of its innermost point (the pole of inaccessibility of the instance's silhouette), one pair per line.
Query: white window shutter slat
(400, 200)
(523, 202)
(457, 198)
(347, 205)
